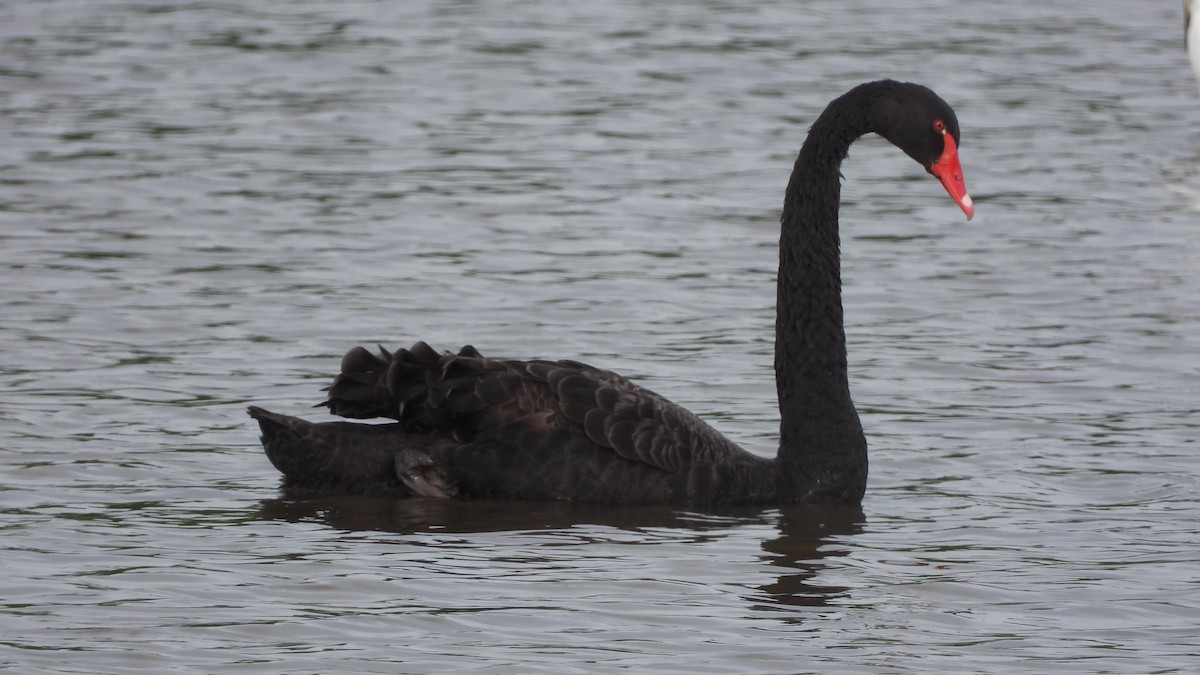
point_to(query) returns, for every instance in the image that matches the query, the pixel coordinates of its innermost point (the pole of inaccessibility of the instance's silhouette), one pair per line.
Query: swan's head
(921, 124)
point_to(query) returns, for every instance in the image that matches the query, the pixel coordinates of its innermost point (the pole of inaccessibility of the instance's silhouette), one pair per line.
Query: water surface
(204, 205)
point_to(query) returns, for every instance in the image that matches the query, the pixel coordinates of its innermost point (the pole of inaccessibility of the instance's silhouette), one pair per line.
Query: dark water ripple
(204, 204)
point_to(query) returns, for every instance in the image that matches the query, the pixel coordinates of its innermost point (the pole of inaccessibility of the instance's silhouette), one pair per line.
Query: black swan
(473, 427)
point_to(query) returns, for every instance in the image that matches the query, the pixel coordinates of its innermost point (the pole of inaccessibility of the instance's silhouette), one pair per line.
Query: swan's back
(470, 426)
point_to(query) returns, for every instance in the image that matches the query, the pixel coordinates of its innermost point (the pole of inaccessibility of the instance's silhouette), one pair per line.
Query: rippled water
(205, 204)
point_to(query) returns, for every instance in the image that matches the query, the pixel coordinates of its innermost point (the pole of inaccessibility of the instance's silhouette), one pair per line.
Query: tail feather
(333, 456)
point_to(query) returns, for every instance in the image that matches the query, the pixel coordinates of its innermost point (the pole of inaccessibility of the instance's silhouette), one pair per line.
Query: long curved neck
(821, 438)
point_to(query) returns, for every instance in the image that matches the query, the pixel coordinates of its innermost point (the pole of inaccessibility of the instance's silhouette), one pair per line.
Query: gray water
(204, 205)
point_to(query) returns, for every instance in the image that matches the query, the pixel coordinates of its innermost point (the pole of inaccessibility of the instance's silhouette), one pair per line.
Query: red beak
(949, 171)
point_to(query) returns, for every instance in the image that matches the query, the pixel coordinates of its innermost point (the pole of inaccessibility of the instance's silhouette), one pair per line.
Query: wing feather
(472, 398)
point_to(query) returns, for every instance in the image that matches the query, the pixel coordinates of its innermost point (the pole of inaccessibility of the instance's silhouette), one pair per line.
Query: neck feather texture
(822, 448)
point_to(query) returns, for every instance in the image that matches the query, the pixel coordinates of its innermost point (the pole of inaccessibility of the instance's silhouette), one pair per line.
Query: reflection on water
(807, 536)
(803, 536)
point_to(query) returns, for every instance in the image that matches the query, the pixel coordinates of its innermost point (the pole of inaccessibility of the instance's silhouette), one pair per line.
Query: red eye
(939, 125)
